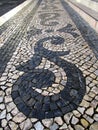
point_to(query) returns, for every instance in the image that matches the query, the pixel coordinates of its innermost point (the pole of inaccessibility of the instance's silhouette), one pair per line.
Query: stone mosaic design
(51, 79)
(40, 89)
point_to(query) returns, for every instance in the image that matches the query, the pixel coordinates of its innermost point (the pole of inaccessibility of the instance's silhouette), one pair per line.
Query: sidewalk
(48, 70)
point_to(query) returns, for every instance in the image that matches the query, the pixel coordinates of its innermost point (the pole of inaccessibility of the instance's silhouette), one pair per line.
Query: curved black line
(34, 104)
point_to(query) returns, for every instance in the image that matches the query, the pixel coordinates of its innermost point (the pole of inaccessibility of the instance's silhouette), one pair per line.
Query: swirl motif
(26, 91)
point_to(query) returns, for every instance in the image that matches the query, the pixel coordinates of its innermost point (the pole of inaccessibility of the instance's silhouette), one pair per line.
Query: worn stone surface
(94, 126)
(96, 117)
(13, 125)
(1, 99)
(26, 125)
(54, 127)
(33, 120)
(58, 120)
(2, 106)
(79, 127)
(76, 113)
(47, 122)
(8, 117)
(74, 120)
(90, 111)
(64, 126)
(4, 123)
(3, 114)
(81, 110)
(84, 123)
(67, 117)
(38, 126)
(19, 118)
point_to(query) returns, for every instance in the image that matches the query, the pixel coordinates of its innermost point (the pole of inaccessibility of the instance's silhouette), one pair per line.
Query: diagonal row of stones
(9, 27)
(10, 45)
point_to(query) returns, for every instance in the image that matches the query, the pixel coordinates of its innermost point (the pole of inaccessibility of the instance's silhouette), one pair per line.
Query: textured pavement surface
(48, 70)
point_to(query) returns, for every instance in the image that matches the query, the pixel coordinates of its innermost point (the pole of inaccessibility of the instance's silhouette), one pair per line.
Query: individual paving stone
(26, 125)
(19, 118)
(93, 76)
(7, 128)
(94, 103)
(1, 99)
(67, 117)
(45, 93)
(9, 84)
(4, 78)
(3, 114)
(63, 82)
(81, 110)
(88, 118)
(15, 77)
(63, 127)
(3, 87)
(13, 125)
(2, 93)
(94, 126)
(8, 91)
(91, 85)
(58, 120)
(54, 126)
(21, 125)
(10, 106)
(85, 103)
(8, 117)
(87, 89)
(14, 112)
(91, 94)
(73, 92)
(2, 106)
(84, 123)
(95, 117)
(39, 90)
(96, 72)
(96, 109)
(1, 128)
(87, 98)
(76, 113)
(96, 98)
(95, 82)
(2, 83)
(33, 120)
(38, 126)
(90, 111)
(74, 120)
(78, 127)
(53, 106)
(95, 90)
(8, 99)
(4, 123)
(47, 122)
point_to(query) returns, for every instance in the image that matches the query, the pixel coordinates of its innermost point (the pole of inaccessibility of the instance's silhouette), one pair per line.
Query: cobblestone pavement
(48, 70)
